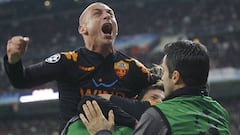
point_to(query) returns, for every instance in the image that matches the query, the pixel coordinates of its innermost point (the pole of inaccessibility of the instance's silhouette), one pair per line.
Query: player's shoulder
(70, 55)
(119, 56)
(65, 56)
(74, 55)
(55, 58)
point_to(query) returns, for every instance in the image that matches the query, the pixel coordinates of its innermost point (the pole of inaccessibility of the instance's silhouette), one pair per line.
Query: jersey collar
(189, 91)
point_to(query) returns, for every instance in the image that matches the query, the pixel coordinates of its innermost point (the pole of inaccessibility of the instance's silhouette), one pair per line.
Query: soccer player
(94, 69)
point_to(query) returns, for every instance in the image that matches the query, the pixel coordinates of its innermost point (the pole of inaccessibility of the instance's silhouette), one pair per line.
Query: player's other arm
(25, 77)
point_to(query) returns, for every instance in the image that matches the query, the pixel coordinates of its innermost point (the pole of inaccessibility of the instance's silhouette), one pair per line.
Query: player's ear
(82, 30)
(176, 77)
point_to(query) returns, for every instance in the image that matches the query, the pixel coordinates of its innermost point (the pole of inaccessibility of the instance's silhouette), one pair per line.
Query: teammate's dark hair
(154, 86)
(190, 59)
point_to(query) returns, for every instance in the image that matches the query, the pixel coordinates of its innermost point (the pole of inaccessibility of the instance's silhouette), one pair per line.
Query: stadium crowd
(212, 22)
(30, 126)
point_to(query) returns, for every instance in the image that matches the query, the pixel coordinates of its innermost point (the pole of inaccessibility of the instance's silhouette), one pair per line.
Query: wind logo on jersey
(87, 92)
(54, 58)
(121, 68)
(104, 84)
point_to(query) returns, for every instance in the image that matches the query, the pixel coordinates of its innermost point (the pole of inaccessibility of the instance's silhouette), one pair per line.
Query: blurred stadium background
(145, 25)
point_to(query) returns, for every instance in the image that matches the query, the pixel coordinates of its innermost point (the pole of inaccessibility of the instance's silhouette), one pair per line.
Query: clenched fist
(16, 47)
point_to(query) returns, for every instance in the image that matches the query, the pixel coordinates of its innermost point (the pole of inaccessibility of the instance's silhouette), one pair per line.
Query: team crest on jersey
(121, 68)
(53, 59)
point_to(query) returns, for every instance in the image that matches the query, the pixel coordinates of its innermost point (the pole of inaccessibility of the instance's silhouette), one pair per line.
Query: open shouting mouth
(107, 28)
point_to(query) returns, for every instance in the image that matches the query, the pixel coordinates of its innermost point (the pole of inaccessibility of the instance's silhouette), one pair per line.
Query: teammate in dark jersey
(136, 107)
(95, 69)
(126, 111)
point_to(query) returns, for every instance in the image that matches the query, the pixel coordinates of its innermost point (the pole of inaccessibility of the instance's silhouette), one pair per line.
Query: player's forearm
(133, 107)
(14, 72)
(21, 77)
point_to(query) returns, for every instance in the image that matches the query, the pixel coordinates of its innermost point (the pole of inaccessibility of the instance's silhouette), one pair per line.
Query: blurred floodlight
(47, 3)
(39, 95)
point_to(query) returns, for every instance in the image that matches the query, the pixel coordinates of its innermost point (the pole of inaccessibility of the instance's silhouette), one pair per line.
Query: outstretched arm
(31, 75)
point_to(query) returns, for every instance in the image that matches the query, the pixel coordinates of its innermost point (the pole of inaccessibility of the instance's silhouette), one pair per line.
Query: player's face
(153, 95)
(101, 25)
(167, 82)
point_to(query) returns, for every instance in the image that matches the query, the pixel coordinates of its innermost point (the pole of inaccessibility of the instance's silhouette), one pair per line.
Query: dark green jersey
(195, 115)
(76, 127)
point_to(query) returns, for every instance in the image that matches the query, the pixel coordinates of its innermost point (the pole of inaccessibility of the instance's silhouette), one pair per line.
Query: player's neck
(104, 50)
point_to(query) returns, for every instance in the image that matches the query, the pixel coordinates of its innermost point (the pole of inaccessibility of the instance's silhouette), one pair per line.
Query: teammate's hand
(16, 47)
(95, 120)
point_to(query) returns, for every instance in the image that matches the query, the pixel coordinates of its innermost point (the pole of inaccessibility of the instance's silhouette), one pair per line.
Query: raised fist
(16, 47)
